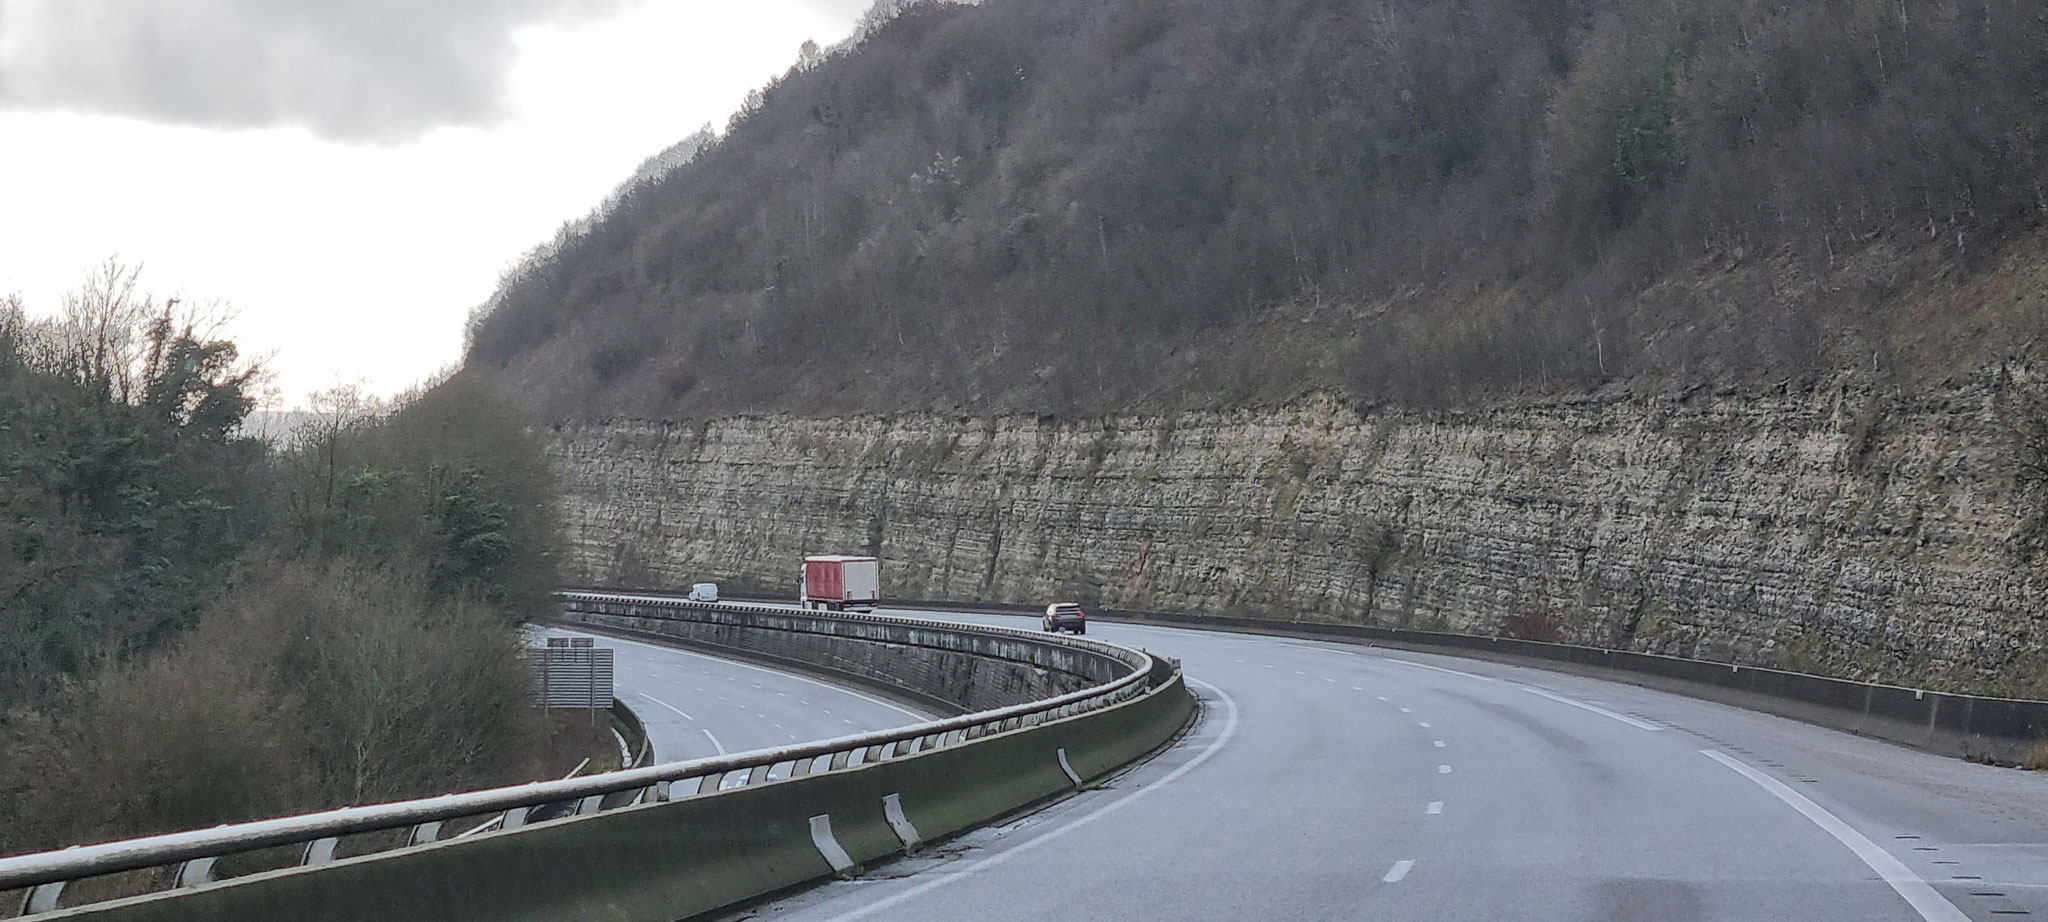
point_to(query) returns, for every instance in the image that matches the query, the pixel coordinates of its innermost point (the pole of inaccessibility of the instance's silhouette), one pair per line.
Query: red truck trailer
(841, 583)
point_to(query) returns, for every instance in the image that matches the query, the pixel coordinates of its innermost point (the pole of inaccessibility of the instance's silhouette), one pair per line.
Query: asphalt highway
(695, 706)
(1329, 781)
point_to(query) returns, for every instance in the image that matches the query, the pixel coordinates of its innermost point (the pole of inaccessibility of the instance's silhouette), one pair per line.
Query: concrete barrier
(639, 750)
(666, 861)
(947, 669)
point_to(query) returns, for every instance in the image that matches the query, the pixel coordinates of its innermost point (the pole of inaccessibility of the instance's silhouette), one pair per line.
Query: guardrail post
(41, 898)
(828, 844)
(892, 810)
(196, 871)
(318, 851)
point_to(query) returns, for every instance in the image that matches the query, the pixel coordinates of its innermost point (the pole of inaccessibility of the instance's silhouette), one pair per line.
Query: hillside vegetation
(196, 628)
(1080, 205)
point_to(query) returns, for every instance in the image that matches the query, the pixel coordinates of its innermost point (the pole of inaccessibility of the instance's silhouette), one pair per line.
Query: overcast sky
(350, 176)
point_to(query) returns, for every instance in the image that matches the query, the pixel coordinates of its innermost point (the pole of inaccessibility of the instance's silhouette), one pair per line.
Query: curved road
(1328, 781)
(695, 706)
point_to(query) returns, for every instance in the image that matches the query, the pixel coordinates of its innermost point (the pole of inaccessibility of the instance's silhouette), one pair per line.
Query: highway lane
(696, 705)
(1328, 781)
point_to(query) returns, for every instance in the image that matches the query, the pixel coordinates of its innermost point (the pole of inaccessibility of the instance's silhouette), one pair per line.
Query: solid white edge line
(665, 704)
(715, 744)
(1208, 752)
(1399, 870)
(1581, 705)
(1925, 900)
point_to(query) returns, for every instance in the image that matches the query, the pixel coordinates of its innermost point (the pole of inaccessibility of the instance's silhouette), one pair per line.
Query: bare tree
(113, 336)
(331, 414)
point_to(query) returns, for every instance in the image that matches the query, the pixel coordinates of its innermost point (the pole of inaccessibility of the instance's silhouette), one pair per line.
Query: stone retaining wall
(1834, 529)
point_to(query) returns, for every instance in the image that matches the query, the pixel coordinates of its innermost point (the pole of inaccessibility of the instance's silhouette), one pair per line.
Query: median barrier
(943, 667)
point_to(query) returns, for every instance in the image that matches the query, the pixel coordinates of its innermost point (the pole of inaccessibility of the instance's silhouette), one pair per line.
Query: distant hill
(275, 427)
(1071, 206)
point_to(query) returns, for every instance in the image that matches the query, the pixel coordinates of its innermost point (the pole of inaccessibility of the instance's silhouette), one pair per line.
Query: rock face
(1833, 529)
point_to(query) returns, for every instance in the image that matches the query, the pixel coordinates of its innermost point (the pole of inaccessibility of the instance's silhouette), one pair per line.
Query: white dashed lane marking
(1398, 871)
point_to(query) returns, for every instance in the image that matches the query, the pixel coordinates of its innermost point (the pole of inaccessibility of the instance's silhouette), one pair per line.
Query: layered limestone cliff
(1835, 529)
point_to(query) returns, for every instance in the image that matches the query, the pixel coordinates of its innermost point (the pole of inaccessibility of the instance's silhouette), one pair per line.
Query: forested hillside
(198, 628)
(1079, 205)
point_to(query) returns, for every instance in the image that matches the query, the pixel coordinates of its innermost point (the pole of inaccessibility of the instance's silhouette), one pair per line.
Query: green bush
(197, 629)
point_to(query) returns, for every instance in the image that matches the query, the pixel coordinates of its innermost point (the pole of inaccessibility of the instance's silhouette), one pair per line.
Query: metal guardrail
(195, 852)
(1136, 659)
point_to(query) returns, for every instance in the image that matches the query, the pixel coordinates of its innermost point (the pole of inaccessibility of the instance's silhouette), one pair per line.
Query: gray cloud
(357, 70)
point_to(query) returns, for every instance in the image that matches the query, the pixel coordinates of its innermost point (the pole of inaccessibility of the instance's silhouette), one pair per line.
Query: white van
(704, 592)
